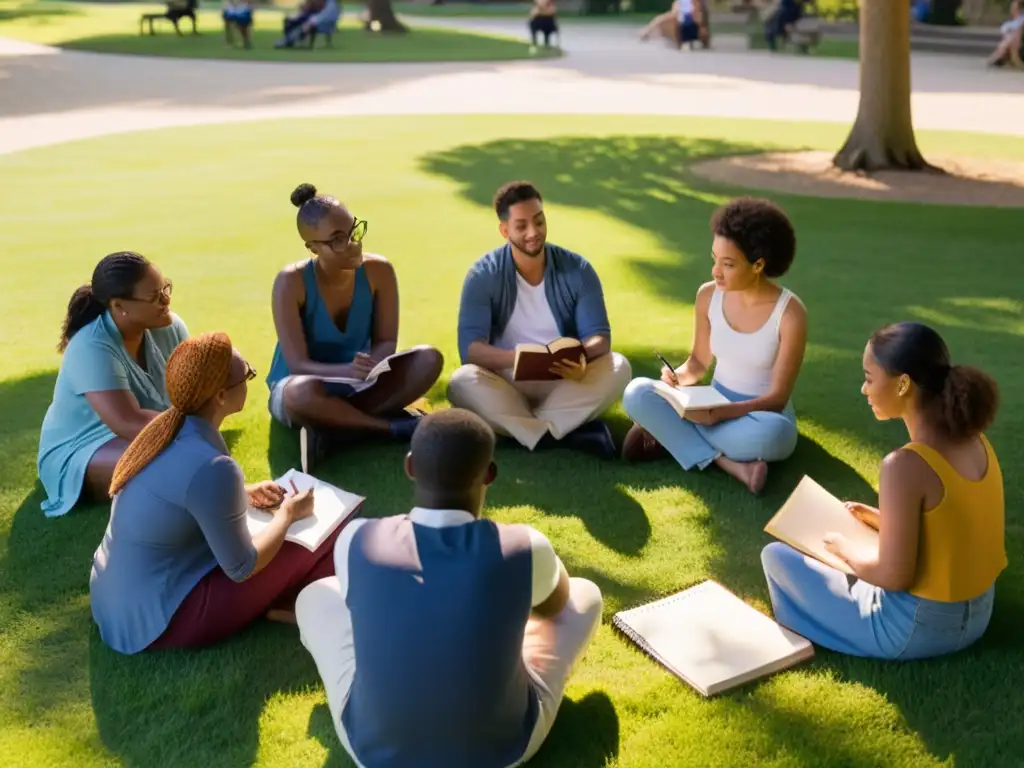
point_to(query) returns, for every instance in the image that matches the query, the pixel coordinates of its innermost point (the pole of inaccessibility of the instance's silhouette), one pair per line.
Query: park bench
(176, 11)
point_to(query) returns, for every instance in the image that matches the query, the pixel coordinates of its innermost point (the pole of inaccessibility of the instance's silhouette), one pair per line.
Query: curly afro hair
(760, 229)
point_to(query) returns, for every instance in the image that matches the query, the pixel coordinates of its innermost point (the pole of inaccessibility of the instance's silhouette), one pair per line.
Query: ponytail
(147, 445)
(967, 404)
(83, 308)
(115, 277)
(196, 370)
(959, 400)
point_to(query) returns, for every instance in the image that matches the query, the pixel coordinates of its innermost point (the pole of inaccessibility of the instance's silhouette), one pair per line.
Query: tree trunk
(883, 134)
(382, 14)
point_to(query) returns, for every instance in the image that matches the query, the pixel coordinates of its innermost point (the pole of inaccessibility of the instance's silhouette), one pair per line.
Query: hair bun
(303, 194)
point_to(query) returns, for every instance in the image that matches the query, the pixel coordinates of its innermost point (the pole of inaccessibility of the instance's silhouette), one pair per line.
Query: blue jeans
(761, 435)
(850, 616)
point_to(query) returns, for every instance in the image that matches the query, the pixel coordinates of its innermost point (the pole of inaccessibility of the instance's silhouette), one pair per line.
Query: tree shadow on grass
(36, 11)
(585, 735)
(148, 706)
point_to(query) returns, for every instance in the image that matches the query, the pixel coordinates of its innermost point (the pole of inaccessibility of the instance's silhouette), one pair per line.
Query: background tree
(883, 134)
(382, 17)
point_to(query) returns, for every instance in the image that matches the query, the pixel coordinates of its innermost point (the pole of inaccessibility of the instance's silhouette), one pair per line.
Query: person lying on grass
(178, 567)
(928, 588)
(336, 316)
(117, 336)
(445, 639)
(756, 331)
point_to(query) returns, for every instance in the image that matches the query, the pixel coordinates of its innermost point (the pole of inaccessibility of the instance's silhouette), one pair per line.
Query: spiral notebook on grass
(712, 640)
(332, 508)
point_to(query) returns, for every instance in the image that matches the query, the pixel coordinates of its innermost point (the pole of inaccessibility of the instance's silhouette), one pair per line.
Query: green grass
(618, 191)
(107, 28)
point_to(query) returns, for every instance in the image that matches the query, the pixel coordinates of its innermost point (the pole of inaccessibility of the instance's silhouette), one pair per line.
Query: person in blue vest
(465, 630)
(336, 316)
(530, 291)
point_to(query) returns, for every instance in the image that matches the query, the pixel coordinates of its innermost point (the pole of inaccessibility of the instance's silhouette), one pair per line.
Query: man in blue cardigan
(529, 291)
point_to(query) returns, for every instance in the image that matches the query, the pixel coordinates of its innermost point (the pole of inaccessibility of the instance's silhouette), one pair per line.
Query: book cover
(809, 514)
(533, 361)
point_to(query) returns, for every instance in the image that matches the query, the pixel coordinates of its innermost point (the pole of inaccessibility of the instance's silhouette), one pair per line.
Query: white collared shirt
(546, 564)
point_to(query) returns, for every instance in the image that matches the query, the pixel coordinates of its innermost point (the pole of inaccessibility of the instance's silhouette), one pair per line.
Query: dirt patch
(967, 181)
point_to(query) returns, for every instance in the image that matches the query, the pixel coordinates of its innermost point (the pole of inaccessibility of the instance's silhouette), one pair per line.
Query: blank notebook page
(712, 639)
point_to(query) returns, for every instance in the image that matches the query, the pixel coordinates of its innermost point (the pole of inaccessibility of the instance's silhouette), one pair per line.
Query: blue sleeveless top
(325, 341)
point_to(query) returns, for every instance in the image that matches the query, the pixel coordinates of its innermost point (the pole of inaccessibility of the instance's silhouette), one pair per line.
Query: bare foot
(752, 474)
(285, 617)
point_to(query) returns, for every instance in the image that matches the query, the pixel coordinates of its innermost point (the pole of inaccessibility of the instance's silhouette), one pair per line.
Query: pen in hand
(671, 370)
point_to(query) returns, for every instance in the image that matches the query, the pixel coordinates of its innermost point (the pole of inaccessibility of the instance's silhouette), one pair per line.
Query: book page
(331, 505)
(685, 399)
(564, 343)
(714, 640)
(536, 348)
(809, 514)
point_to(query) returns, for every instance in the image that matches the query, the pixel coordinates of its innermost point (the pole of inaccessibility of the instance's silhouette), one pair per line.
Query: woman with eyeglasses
(178, 566)
(117, 336)
(336, 316)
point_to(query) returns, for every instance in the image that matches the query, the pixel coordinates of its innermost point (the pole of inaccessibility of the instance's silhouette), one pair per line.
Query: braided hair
(197, 369)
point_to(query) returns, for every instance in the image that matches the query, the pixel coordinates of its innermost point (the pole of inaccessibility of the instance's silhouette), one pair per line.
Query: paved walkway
(48, 95)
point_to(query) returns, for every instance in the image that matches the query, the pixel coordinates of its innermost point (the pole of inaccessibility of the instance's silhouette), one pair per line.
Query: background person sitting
(177, 567)
(117, 337)
(316, 16)
(543, 21)
(1009, 49)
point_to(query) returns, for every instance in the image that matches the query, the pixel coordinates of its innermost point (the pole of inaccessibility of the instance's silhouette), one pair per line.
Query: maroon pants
(218, 607)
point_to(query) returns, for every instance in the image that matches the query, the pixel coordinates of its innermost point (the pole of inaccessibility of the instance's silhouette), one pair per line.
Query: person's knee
(634, 395)
(587, 597)
(779, 439)
(777, 557)
(429, 361)
(315, 599)
(463, 381)
(300, 393)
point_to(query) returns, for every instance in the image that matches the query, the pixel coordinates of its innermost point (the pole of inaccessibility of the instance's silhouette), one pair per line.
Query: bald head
(451, 456)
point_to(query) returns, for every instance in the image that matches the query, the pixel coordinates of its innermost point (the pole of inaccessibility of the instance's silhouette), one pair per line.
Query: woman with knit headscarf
(177, 566)
(117, 336)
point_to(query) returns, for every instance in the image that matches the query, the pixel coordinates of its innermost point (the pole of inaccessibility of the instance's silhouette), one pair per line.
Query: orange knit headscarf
(197, 369)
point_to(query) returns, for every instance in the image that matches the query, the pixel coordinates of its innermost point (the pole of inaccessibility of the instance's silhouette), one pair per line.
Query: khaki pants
(528, 410)
(551, 648)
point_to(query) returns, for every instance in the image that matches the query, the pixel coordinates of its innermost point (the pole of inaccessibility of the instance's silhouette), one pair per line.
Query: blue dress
(325, 341)
(95, 360)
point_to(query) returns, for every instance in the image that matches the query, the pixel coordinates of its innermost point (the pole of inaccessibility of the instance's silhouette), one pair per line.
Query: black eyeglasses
(250, 374)
(340, 242)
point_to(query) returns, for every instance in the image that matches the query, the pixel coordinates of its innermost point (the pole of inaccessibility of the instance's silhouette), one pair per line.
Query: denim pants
(848, 615)
(761, 435)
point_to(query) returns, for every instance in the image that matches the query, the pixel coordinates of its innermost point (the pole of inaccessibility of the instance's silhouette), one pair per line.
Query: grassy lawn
(617, 191)
(107, 28)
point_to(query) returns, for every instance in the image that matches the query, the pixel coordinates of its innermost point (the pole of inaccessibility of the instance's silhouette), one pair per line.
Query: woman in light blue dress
(117, 336)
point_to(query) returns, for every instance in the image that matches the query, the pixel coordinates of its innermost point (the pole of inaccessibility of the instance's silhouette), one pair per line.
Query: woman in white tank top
(755, 331)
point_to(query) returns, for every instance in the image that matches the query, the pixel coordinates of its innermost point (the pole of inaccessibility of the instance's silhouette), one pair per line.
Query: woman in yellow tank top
(928, 589)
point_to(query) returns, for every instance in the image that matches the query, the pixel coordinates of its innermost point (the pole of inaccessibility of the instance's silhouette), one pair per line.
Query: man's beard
(522, 247)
